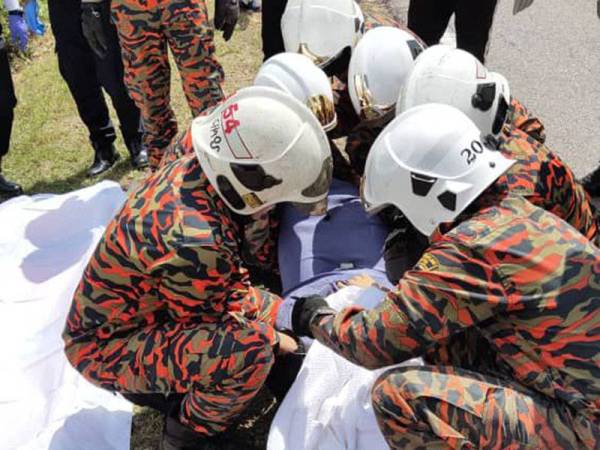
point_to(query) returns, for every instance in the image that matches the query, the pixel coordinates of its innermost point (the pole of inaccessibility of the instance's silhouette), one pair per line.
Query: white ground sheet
(45, 243)
(329, 406)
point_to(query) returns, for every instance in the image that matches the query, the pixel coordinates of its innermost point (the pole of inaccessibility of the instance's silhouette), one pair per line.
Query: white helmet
(379, 67)
(431, 163)
(322, 29)
(261, 147)
(454, 77)
(296, 75)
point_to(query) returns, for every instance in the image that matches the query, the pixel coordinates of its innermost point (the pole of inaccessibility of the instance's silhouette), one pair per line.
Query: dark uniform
(8, 98)
(165, 305)
(8, 101)
(528, 284)
(473, 18)
(86, 74)
(270, 27)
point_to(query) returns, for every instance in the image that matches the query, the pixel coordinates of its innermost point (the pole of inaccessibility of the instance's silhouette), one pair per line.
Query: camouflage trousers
(218, 367)
(438, 407)
(146, 30)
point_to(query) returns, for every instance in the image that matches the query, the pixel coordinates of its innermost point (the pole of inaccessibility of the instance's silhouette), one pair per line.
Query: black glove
(402, 249)
(306, 309)
(226, 16)
(92, 18)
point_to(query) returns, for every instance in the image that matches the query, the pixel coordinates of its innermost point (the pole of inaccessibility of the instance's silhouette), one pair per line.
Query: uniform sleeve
(449, 290)
(179, 147)
(520, 118)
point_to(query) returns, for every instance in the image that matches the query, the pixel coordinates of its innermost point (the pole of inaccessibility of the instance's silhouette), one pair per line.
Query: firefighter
(146, 31)
(523, 282)
(454, 77)
(165, 312)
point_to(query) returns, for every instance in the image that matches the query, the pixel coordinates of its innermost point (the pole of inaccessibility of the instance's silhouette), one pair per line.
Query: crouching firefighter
(521, 280)
(165, 313)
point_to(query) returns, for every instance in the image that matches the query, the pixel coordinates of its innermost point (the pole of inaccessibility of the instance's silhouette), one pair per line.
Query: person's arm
(449, 290)
(522, 119)
(205, 277)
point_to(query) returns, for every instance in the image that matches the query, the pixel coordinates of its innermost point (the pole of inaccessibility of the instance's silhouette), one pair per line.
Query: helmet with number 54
(430, 162)
(261, 147)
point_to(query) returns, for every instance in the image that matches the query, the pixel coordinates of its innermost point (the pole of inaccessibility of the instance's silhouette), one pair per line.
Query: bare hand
(287, 344)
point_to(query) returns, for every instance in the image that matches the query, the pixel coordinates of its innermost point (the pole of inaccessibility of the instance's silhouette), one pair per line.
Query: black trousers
(8, 100)
(86, 74)
(473, 20)
(272, 39)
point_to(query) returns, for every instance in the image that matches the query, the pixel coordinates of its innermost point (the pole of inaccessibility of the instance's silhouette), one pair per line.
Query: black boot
(104, 158)
(179, 437)
(138, 153)
(8, 189)
(591, 183)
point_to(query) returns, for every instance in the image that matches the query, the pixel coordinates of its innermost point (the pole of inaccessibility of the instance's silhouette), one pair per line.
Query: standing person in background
(270, 28)
(146, 31)
(473, 18)
(8, 100)
(87, 73)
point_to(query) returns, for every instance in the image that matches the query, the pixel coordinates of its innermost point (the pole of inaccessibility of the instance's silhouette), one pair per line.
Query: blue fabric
(31, 12)
(343, 240)
(324, 284)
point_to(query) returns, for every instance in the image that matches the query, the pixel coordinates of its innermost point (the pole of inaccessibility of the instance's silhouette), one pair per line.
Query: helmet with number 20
(261, 147)
(431, 163)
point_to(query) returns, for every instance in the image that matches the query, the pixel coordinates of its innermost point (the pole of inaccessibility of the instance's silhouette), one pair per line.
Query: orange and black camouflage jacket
(170, 256)
(541, 176)
(526, 281)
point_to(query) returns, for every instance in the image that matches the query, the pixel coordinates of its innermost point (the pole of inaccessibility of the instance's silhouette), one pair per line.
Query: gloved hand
(93, 30)
(18, 29)
(226, 16)
(31, 11)
(297, 314)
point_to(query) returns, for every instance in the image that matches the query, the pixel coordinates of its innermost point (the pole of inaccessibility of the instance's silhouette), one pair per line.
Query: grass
(50, 153)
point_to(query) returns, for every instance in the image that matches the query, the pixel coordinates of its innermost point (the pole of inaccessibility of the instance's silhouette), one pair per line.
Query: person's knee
(395, 389)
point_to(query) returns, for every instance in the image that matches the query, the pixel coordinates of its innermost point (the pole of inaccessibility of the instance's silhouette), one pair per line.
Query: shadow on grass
(80, 179)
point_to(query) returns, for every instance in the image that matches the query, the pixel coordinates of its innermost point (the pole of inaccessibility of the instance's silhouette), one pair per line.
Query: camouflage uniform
(260, 234)
(147, 28)
(541, 176)
(527, 285)
(165, 304)
(520, 118)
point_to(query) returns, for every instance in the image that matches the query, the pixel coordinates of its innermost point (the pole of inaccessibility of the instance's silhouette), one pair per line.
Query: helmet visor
(320, 186)
(368, 109)
(368, 207)
(324, 109)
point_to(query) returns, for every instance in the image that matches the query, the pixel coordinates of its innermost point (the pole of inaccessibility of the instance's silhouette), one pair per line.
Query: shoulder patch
(428, 263)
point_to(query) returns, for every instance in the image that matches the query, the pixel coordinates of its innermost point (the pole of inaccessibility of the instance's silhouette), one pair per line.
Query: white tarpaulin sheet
(45, 243)
(329, 404)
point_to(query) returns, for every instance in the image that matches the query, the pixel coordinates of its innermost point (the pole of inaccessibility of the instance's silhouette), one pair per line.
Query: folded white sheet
(45, 243)
(329, 404)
